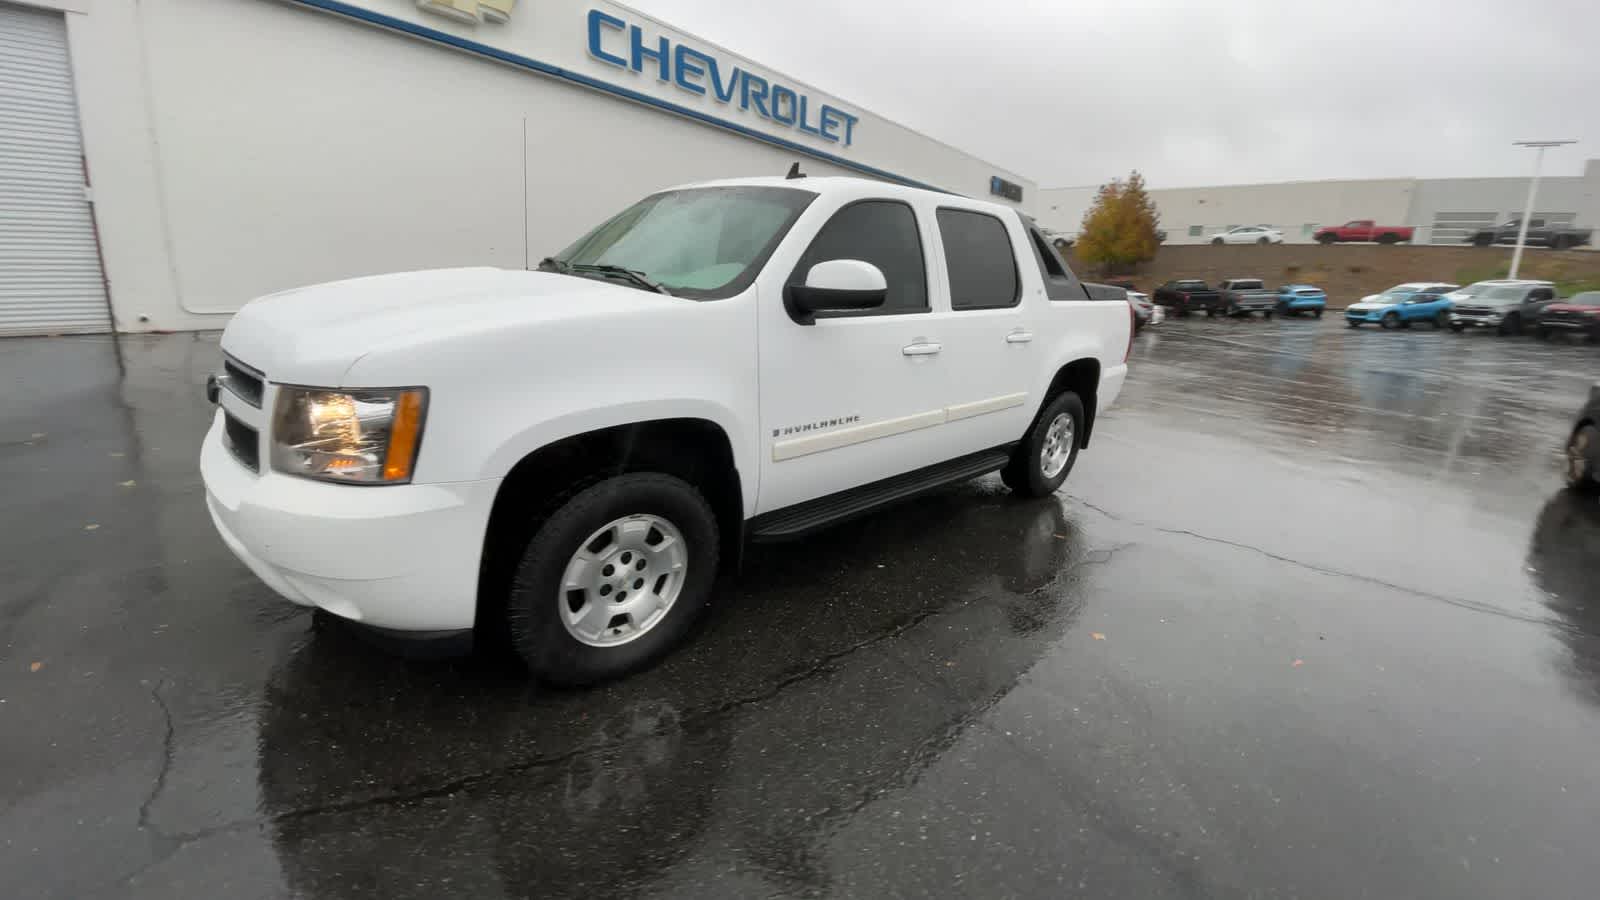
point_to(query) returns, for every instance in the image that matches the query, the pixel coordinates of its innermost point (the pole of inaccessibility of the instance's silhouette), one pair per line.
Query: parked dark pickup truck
(1540, 234)
(1243, 296)
(1186, 294)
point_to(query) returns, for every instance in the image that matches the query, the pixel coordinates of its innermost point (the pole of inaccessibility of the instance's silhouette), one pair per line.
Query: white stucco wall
(239, 147)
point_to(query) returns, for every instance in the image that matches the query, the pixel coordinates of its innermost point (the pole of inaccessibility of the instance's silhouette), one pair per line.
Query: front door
(857, 397)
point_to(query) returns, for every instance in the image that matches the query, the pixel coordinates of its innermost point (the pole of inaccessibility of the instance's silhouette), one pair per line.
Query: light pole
(1533, 191)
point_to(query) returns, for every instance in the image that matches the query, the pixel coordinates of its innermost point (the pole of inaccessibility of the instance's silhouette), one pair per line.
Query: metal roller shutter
(50, 279)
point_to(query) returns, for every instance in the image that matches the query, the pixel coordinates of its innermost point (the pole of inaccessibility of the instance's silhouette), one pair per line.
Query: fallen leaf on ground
(117, 453)
(1062, 536)
(1298, 663)
(90, 527)
(37, 434)
(1097, 635)
(127, 483)
(34, 667)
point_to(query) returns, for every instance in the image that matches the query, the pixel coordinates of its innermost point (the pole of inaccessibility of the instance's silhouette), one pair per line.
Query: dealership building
(1443, 210)
(164, 161)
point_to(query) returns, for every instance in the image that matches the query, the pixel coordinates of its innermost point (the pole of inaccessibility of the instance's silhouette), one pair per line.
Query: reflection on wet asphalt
(1310, 619)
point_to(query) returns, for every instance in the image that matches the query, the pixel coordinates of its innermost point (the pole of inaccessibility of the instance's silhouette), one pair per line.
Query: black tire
(1327, 239)
(1183, 313)
(1580, 451)
(551, 652)
(1266, 314)
(1211, 312)
(1558, 242)
(1442, 320)
(1483, 240)
(1316, 313)
(1388, 239)
(1543, 333)
(1390, 320)
(1025, 473)
(1457, 327)
(1263, 241)
(1511, 324)
(1352, 323)
(1216, 242)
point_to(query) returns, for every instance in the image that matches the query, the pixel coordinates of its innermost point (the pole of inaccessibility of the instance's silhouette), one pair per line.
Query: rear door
(854, 397)
(989, 330)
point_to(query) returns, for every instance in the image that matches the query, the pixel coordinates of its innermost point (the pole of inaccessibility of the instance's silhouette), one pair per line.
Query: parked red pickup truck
(1363, 230)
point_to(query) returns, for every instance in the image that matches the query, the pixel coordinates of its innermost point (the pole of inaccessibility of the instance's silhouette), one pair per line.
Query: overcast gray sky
(1072, 92)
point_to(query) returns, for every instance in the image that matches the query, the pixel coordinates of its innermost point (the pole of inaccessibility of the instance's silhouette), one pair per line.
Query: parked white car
(1249, 234)
(573, 454)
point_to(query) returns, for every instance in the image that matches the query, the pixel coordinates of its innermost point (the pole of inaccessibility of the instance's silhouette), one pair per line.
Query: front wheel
(1266, 314)
(1316, 313)
(1580, 458)
(1543, 333)
(1390, 320)
(1264, 241)
(1041, 462)
(1457, 327)
(1352, 323)
(1442, 320)
(613, 579)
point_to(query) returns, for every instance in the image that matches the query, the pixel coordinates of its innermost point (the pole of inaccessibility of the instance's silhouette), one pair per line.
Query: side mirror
(836, 285)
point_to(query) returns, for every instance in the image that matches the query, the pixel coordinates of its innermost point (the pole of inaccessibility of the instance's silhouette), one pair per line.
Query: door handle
(1019, 337)
(922, 348)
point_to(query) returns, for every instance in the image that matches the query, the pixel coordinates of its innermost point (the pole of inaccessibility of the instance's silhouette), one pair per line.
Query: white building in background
(1443, 210)
(164, 161)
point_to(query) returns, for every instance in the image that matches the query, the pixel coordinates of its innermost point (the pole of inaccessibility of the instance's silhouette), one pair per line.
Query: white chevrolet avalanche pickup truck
(568, 457)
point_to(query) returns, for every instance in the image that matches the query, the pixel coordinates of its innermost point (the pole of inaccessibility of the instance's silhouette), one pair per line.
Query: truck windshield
(705, 243)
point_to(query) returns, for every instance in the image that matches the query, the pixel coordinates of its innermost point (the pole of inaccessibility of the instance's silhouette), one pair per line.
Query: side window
(1538, 294)
(881, 232)
(1048, 262)
(980, 260)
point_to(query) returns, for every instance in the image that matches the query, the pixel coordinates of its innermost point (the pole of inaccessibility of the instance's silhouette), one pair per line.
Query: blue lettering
(779, 94)
(723, 96)
(689, 63)
(596, 20)
(849, 127)
(749, 95)
(808, 129)
(830, 119)
(660, 54)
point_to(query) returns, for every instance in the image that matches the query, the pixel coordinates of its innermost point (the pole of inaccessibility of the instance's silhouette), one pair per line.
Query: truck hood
(314, 335)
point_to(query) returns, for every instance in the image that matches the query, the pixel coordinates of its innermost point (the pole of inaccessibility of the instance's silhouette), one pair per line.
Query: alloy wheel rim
(1057, 447)
(622, 580)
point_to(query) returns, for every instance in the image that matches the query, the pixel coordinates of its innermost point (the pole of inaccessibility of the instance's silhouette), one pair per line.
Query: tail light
(1132, 321)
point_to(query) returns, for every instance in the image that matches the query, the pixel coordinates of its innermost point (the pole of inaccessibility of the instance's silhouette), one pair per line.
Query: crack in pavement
(168, 750)
(1459, 602)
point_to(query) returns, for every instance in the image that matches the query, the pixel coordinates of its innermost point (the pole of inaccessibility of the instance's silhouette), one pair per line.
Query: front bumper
(399, 557)
(1491, 320)
(1365, 315)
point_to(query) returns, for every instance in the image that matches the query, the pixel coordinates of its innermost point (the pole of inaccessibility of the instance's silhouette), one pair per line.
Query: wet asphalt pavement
(1311, 618)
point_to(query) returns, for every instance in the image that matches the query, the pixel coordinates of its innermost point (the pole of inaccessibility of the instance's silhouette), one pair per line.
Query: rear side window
(881, 232)
(980, 260)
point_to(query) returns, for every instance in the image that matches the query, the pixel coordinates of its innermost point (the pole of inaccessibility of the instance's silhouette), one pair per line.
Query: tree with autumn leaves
(1119, 230)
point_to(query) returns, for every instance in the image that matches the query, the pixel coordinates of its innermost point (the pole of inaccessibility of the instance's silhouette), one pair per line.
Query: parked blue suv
(1294, 299)
(1399, 306)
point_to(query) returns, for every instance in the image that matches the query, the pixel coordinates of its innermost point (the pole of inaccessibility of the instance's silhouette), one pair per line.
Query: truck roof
(1516, 282)
(849, 186)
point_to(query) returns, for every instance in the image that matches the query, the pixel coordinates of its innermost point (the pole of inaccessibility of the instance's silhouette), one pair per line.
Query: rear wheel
(1457, 327)
(1511, 324)
(1216, 242)
(1483, 240)
(1558, 242)
(1441, 320)
(613, 579)
(1388, 239)
(1581, 448)
(1316, 313)
(1390, 320)
(1543, 333)
(1327, 239)
(1266, 314)
(1041, 462)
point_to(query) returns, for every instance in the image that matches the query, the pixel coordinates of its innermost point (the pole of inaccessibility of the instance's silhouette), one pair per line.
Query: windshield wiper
(634, 276)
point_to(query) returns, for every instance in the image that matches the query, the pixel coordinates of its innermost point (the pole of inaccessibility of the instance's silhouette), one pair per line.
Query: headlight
(367, 436)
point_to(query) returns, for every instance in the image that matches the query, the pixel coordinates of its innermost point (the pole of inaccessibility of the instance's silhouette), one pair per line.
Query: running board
(813, 515)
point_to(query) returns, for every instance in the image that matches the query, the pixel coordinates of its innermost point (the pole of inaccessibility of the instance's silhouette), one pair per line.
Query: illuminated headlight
(367, 436)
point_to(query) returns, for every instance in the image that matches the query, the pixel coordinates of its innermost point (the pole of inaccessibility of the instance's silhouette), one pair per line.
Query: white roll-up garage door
(50, 281)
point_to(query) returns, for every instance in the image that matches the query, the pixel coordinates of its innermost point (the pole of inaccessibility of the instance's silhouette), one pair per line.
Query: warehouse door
(50, 280)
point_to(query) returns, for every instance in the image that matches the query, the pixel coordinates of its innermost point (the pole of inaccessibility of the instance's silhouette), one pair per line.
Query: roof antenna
(794, 172)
